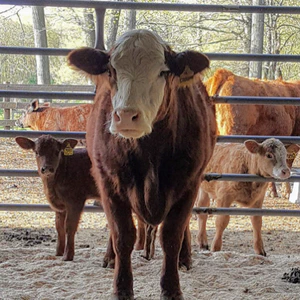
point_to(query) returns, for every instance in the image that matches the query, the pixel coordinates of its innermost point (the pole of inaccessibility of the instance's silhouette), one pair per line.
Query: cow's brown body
(253, 119)
(156, 176)
(67, 184)
(47, 118)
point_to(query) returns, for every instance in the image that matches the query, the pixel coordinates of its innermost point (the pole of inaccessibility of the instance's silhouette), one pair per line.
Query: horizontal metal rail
(212, 56)
(208, 176)
(247, 211)
(244, 100)
(36, 134)
(196, 210)
(47, 95)
(247, 100)
(81, 135)
(158, 6)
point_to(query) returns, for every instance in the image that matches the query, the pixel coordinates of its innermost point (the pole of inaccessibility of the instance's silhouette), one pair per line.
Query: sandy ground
(29, 268)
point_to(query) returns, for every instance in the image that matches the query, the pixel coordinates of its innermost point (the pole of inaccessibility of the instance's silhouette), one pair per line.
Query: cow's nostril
(43, 169)
(135, 117)
(116, 117)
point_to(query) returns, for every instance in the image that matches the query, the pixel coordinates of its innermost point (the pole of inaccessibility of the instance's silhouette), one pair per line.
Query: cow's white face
(139, 63)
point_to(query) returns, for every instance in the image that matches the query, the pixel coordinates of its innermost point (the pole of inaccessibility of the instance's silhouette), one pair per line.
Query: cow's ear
(252, 146)
(186, 64)
(69, 143)
(25, 143)
(89, 60)
(34, 105)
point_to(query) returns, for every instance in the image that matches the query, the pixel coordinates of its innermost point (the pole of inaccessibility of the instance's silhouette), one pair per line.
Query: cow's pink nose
(285, 173)
(126, 116)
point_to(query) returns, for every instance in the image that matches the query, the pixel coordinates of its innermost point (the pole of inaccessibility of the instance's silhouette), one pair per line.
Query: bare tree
(257, 39)
(40, 38)
(113, 27)
(89, 27)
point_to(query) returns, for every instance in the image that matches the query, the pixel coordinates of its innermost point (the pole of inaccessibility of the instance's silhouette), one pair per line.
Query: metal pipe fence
(100, 7)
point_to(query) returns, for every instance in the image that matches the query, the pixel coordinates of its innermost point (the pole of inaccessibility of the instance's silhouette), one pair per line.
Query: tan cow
(267, 159)
(44, 117)
(253, 119)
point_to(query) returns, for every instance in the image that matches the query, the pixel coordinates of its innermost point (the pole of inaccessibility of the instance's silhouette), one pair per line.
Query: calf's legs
(61, 232)
(202, 201)
(66, 224)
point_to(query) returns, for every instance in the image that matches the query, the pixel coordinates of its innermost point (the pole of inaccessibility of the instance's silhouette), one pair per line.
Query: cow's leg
(185, 255)
(109, 258)
(221, 224)
(72, 221)
(257, 224)
(61, 232)
(141, 231)
(172, 235)
(123, 235)
(202, 201)
(273, 188)
(149, 247)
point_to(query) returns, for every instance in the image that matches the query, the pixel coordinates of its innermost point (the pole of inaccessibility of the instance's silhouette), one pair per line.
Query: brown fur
(67, 185)
(46, 118)
(253, 119)
(236, 158)
(156, 176)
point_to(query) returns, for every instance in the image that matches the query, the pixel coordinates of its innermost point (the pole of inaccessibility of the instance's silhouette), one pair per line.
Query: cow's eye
(269, 155)
(164, 73)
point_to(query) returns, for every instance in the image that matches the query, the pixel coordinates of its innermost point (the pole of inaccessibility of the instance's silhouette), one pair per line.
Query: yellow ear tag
(186, 77)
(68, 150)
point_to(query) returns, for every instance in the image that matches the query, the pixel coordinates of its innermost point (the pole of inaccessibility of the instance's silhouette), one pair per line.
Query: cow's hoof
(123, 296)
(108, 263)
(171, 297)
(185, 263)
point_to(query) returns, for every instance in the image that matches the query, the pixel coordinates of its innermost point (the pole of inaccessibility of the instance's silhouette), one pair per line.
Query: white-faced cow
(150, 135)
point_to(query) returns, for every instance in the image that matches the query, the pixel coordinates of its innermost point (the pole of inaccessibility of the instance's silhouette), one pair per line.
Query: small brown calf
(267, 159)
(67, 182)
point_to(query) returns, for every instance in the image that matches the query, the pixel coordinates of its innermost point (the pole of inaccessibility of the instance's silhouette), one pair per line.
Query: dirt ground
(29, 268)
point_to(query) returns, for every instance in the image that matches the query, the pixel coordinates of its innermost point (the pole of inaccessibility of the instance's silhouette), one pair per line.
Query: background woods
(206, 32)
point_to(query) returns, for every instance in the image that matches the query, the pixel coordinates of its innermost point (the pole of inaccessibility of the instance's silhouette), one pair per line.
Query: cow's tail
(214, 84)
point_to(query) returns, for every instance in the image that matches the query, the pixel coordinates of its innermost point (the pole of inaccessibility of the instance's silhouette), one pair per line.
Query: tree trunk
(257, 39)
(113, 28)
(89, 27)
(40, 38)
(131, 19)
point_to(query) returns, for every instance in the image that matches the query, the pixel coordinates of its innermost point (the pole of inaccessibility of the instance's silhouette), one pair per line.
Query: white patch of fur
(138, 60)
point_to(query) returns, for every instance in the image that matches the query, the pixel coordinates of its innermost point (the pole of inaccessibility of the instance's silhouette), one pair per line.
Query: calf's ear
(69, 143)
(252, 146)
(34, 105)
(186, 64)
(25, 143)
(89, 60)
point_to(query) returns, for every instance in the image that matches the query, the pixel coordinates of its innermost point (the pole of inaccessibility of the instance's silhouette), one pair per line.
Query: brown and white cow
(267, 159)
(150, 135)
(253, 119)
(46, 118)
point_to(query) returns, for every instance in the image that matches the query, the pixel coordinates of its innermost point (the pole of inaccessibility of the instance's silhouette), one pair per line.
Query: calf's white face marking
(138, 60)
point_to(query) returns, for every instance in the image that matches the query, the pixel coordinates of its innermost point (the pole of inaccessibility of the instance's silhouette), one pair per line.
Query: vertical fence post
(6, 110)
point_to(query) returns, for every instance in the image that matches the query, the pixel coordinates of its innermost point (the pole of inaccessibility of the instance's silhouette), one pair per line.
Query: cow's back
(74, 118)
(254, 119)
